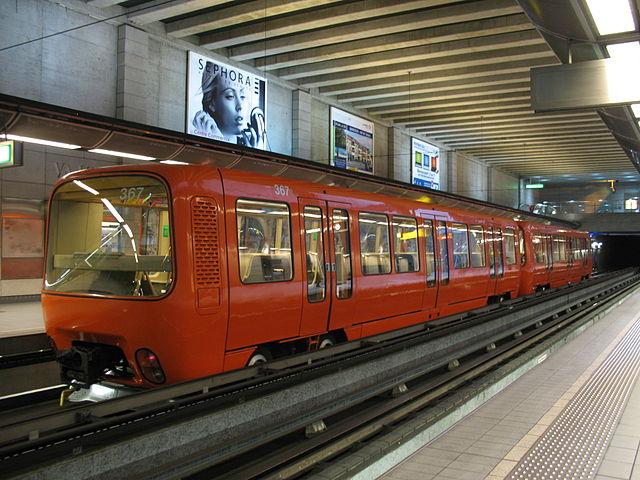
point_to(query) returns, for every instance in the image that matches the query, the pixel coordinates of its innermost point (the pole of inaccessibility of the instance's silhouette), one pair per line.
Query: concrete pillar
(132, 94)
(301, 125)
(399, 155)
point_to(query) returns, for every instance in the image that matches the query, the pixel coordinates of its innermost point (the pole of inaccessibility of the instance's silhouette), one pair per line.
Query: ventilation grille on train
(206, 251)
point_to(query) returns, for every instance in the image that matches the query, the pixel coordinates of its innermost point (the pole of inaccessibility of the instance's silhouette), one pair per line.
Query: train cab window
(110, 235)
(430, 259)
(374, 243)
(523, 253)
(443, 250)
(460, 245)
(264, 241)
(314, 245)
(476, 246)
(405, 237)
(510, 246)
(342, 251)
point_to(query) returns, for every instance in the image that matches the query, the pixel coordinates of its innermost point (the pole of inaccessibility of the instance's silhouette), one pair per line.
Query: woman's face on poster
(230, 110)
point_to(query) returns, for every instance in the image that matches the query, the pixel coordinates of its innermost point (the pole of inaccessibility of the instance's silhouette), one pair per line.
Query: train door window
(548, 250)
(523, 253)
(264, 241)
(492, 258)
(405, 237)
(510, 246)
(430, 259)
(460, 245)
(497, 250)
(314, 246)
(556, 248)
(374, 243)
(443, 250)
(342, 251)
(476, 246)
(538, 248)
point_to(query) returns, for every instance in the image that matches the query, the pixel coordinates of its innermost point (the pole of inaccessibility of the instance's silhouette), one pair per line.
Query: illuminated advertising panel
(225, 103)
(425, 164)
(351, 142)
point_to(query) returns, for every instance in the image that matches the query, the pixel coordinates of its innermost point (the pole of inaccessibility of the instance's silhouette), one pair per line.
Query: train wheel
(261, 355)
(326, 341)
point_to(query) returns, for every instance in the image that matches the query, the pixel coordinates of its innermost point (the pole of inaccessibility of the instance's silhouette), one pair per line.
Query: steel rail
(102, 421)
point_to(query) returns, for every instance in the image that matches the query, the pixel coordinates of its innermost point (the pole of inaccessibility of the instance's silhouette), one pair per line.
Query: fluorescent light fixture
(636, 110)
(624, 51)
(611, 16)
(121, 154)
(86, 187)
(173, 162)
(534, 185)
(40, 141)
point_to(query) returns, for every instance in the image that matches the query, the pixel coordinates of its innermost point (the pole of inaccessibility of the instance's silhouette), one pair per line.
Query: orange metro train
(157, 274)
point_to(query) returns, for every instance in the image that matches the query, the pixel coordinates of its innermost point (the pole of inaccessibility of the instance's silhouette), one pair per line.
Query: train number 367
(281, 190)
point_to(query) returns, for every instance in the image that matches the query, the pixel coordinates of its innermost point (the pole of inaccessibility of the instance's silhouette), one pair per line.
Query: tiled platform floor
(490, 442)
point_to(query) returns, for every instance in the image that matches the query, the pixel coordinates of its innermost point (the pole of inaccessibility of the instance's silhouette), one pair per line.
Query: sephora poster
(225, 103)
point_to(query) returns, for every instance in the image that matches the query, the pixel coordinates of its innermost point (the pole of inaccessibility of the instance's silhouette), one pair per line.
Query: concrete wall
(76, 69)
(467, 177)
(502, 188)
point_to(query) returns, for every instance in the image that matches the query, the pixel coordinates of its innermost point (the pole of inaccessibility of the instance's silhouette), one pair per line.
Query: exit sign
(10, 153)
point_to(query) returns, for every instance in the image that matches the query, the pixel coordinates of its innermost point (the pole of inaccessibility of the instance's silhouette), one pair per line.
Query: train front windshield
(110, 236)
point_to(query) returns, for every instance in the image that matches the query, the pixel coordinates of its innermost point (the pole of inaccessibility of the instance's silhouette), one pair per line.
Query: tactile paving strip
(575, 443)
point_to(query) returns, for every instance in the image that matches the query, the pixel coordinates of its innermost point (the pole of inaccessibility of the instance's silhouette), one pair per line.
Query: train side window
(316, 285)
(430, 259)
(538, 248)
(443, 250)
(523, 253)
(264, 241)
(476, 246)
(342, 251)
(510, 246)
(460, 245)
(374, 243)
(405, 237)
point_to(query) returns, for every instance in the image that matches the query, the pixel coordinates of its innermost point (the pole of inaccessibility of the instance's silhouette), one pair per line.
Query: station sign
(10, 153)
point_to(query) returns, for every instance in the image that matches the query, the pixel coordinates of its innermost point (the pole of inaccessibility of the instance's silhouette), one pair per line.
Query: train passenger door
(327, 265)
(315, 255)
(340, 262)
(431, 290)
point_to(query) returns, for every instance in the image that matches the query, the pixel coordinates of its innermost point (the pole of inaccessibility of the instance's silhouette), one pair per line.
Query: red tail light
(150, 366)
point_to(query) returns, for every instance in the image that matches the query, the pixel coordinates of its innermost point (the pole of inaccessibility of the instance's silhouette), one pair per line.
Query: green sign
(6, 153)
(10, 153)
(165, 231)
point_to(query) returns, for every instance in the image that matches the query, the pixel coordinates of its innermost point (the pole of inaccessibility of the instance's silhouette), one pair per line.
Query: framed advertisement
(425, 164)
(351, 142)
(225, 103)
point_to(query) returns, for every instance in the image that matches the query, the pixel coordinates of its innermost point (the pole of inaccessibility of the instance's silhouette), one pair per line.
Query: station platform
(574, 416)
(21, 318)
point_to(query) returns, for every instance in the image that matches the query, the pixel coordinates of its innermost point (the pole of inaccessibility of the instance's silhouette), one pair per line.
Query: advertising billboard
(425, 164)
(225, 103)
(351, 142)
